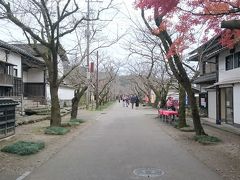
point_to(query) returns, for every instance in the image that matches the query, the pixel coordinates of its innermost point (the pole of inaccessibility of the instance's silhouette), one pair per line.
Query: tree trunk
(182, 107)
(155, 105)
(55, 107)
(195, 113)
(163, 98)
(75, 101)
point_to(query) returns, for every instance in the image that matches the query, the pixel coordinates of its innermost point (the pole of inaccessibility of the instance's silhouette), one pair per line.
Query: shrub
(72, 122)
(204, 139)
(56, 130)
(24, 147)
(187, 129)
(77, 120)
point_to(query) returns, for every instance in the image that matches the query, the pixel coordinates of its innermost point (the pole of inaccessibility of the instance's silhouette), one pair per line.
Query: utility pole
(97, 95)
(88, 46)
(88, 52)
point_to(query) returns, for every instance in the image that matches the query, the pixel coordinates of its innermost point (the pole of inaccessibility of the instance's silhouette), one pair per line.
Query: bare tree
(107, 73)
(46, 23)
(149, 66)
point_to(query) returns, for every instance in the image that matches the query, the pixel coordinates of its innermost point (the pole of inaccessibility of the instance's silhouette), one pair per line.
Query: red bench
(167, 114)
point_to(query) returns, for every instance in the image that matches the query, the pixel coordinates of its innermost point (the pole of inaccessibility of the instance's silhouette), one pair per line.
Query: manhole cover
(148, 172)
(103, 113)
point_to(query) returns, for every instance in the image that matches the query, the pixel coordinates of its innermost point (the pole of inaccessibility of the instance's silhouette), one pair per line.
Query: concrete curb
(222, 127)
(35, 119)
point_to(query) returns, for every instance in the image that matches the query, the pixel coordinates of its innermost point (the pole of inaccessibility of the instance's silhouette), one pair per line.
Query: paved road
(121, 141)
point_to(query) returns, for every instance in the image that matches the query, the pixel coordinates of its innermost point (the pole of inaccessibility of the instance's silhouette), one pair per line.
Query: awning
(7, 63)
(210, 87)
(228, 82)
(206, 78)
(223, 84)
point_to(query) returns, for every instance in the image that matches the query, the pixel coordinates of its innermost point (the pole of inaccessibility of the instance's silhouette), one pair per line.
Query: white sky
(118, 26)
(121, 24)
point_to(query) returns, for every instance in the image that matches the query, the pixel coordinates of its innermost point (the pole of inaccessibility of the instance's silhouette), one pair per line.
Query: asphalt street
(123, 144)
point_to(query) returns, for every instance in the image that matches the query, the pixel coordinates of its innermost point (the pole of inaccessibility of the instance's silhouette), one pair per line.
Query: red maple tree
(178, 25)
(190, 16)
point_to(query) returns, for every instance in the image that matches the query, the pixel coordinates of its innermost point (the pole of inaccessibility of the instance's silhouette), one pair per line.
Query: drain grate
(148, 172)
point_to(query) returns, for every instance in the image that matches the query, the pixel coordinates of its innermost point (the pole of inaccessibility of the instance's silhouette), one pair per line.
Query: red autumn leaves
(186, 18)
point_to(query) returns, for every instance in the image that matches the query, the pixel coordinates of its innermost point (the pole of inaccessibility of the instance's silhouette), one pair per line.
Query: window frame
(229, 58)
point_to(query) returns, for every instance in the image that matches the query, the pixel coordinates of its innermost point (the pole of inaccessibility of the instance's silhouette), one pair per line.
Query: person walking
(132, 100)
(137, 101)
(127, 101)
(123, 100)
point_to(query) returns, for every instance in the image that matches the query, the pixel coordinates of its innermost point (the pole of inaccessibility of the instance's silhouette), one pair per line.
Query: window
(237, 60)
(9, 70)
(229, 62)
(210, 67)
(15, 72)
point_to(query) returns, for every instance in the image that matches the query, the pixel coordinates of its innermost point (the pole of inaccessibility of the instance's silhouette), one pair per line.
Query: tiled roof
(21, 51)
(42, 49)
(7, 102)
(206, 78)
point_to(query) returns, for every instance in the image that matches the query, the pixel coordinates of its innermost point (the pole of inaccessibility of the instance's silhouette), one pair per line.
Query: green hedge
(24, 147)
(56, 130)
(204, 139)
(77, 120)
(72, 122)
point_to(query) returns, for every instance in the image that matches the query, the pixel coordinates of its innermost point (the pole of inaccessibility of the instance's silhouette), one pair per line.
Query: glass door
(229, 105)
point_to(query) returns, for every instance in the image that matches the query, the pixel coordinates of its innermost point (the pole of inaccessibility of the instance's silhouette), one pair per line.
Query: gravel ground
(224, 157)
(14, 165)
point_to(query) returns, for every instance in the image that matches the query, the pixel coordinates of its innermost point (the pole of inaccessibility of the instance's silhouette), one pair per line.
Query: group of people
(127, 99)
(171, 104)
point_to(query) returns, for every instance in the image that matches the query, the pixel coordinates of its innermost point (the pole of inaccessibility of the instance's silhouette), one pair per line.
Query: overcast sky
(119, 25)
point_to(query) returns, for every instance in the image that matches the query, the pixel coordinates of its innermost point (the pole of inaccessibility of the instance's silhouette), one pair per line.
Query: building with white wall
(220, 81)
(14, 63)
(23, 73)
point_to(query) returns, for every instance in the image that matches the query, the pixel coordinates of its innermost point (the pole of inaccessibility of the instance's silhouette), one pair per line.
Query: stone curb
(221, 127)
(22, 122)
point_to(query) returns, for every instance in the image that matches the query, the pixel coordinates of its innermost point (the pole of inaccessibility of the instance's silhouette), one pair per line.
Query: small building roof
(8, 102)
(207, 50)
(211, 78)
(42, 49)
(27, 54)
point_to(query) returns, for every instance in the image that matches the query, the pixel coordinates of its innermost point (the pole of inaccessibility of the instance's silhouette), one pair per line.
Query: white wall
(13, 58)
(64, 93)
(212, 104)
(233, 74)
(16, 59)
(33, 76)
(60, 65)
(236, 103)
(2, 55)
